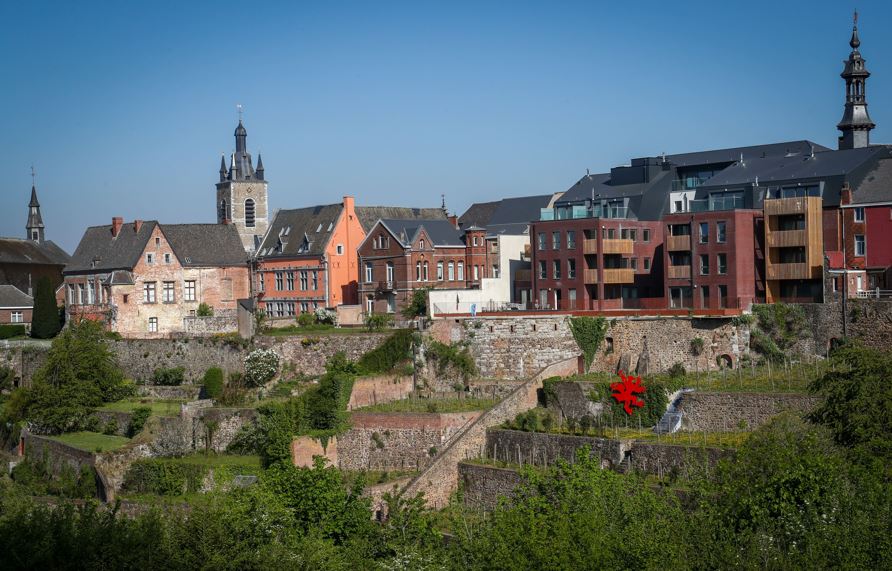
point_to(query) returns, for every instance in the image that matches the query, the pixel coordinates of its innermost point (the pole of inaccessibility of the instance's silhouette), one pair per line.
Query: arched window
(223, 213)
(249, 213)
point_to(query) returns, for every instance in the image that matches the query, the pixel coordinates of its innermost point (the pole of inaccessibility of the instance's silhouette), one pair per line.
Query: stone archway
(724, 361)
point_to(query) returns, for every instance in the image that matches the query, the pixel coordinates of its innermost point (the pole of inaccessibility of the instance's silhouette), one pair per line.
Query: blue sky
(125, 107)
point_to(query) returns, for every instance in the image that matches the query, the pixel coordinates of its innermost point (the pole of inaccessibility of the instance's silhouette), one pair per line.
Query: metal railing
(874, 294)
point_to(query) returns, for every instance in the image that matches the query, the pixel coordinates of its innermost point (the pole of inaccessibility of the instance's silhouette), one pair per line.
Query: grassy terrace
(158, 407)
(316, 330)
(433, 405)
(92, 441)
(373, 477)
(217, 460)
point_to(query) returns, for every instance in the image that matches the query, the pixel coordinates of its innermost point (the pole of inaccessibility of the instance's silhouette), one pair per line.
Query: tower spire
(855, 124)
(222, 167)
(34, 227)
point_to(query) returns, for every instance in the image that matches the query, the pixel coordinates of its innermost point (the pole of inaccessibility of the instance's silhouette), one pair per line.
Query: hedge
(10, 330)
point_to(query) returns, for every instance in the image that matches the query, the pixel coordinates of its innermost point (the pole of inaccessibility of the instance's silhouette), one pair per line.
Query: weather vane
(239, 107)
(33, 176)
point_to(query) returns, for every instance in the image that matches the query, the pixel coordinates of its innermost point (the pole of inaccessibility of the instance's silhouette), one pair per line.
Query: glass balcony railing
(712, 204)
(577, 212)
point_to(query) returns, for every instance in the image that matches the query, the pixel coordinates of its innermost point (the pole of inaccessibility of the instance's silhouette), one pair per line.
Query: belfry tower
(855, 124)
(242, 197)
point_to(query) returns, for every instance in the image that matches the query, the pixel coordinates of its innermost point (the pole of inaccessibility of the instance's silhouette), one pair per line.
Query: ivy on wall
(589, 333)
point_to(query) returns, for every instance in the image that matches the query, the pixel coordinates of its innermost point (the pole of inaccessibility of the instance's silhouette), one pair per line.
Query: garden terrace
(91, 441)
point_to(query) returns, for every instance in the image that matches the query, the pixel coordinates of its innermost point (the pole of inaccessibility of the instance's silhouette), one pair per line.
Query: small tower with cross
(34, 227)
(855, 124)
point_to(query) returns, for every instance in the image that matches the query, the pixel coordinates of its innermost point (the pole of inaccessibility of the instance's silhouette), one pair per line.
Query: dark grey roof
(99, 251)
(11, 296)
(508, 211)
(120, 277)
(368, 215)
(19, 251)
(300, 231)
(876, 185)
(206, 245)
(478, 214)
(517, 229)
(646, 199)
(441, 232)
(733, 154)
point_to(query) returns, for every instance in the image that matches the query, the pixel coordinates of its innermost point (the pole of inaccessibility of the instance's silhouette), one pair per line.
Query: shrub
(778, 327)
(417, 304)
(111, 427)
(656, 400)
(378, 321)
(169, 377)
(588, 332)
(204, 310)
(9, 330)
(45, 322)
(306, 319)
(212, 383)
(138, 419)
(697, 344)
(326, 316)
(456, 356)
(261, 365)
(395, 349)
(677, 371)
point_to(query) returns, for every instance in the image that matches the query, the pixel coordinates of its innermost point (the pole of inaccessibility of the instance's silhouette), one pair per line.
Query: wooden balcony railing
(617, 246)
(590, 276)
(590, 246)
(619, 275)
(679, 272)
(797, 271)
(798, 205)
(786, 238)
(678, 243)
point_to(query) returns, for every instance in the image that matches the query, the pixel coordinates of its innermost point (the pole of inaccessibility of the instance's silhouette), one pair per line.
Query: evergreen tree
(45, 322)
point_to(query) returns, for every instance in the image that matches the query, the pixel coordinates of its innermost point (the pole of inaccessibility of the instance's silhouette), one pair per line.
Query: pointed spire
(34, 203)
(222, 167)
(855, 42)
(259, 169)
(34, 227)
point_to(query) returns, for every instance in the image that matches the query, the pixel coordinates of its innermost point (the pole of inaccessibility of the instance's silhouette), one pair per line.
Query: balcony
(619, 276)
(795, 271)
(678, 243)
(778, 206)
(386, 286)
(590, 276)
(590, 246)
(786, 238)
(679, 272)
(617, 246)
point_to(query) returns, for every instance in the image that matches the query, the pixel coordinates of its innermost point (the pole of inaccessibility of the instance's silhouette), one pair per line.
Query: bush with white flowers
(327, 316)
(261, 366)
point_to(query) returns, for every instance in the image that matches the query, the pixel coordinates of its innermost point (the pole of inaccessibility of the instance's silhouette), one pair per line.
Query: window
(289, 280)
(166, 258)
(153, 325)
(704, 232)
(555, 240)
(541, 240)
(860, 245)
(556, 269)
(720, 232)
(390, 272)
(571, 239)
(280, 281)
(315, 280)
(189, 289)
(646, 264)
(150, 258)
(571, 269)
(290, 309)
(646, 235)
(461, 271)
(340, 249)
(439, 271)
(167, 295)
(704, 297)
(542, 272)
(249, 213)
(859, 214)
(421, 244)
(72, 298)
(368, 272)
(17, 317)
(633, 263)
(723, 263)
(157, 242)
(426, 274)
(148, 292)
(417, 271)
(475, 240)
(260, 282)
(91, 292)
(451, 271)
(723, 296)
(476, 273)
(704, 264)
(495, 271)
(304, 280)
(81, 294)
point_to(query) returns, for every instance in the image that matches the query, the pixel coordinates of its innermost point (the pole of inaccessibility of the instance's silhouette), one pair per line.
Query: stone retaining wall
(664, 460)
(207, 326)
(722, 412)
(543, 449)
(483, 486)
(368, 391)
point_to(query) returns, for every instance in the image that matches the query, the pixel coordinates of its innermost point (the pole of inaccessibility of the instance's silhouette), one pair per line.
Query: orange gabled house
(308, 256)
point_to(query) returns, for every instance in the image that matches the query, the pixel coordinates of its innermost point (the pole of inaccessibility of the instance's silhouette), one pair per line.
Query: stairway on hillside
(671, 420)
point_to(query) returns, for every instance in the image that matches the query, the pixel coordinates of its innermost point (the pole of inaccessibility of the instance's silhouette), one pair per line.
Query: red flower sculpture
(625, 392)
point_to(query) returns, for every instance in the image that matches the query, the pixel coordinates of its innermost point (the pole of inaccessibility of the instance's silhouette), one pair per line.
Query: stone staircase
(671, 420)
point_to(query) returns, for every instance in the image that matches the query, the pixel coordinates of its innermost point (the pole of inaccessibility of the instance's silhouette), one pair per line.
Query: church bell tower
(855, 124)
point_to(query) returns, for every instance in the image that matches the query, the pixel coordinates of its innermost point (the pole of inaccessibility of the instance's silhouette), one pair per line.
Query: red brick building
(15, 306)
(145, 279)
(399, 256)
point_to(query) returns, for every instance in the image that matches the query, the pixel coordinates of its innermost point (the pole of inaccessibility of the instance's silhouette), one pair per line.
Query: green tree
(45, 322)
(417, 304)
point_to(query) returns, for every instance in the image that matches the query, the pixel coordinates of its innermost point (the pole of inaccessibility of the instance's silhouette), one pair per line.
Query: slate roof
(506, 216)
(20, 251)
(368, 215)
(206, 245)
(732, 154)
(110, 252)
(302, 231)
(441, 232)
(876, 185)
(478, 214)
(646, 200)
(12, 297)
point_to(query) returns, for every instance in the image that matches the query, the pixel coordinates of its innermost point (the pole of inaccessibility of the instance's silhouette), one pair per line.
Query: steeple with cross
(855, 124)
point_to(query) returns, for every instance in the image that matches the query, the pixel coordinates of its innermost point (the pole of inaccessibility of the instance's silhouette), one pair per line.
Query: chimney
(137, 224)
(117, 222)
(349, 207)
(453, 219)
(845, 195)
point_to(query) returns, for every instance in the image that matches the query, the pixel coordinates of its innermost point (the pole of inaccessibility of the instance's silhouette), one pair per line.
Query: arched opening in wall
(833, 344)
(608, 345)
(724, 361)
(223, 215)
(249, 213)
(606, 464)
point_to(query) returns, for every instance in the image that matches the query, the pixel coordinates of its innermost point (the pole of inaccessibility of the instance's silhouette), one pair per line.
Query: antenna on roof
(741, 160)
(812, 147)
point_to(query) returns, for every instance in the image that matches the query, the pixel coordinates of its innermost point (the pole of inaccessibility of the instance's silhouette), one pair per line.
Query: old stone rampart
(483, 486)
(666, 459)
(368, 391)
(439, 480)
(544, 449)
(723, 412)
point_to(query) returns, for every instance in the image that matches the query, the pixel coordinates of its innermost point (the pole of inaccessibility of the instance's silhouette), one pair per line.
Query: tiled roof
(98, 250)
(21, 251)
(300, 231)
(206, 245)
(877, 184)
(441, 232)
(11, 296)
(478, 214)
(368, 215)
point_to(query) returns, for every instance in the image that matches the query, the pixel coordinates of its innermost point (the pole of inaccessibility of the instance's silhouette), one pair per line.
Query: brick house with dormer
(143, 279)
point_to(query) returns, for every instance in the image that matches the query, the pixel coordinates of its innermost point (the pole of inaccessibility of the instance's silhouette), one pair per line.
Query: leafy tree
(378, 321)
(417, 304)
(45, 322)
(204, 310)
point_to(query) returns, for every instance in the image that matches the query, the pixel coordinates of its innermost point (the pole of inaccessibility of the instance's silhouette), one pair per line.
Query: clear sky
(124, 108)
